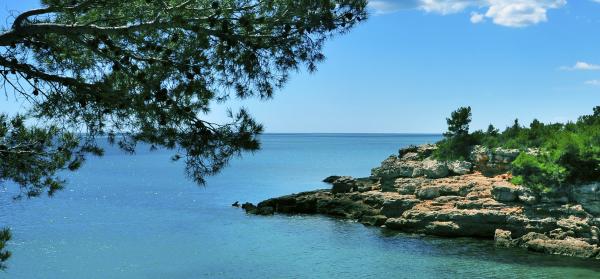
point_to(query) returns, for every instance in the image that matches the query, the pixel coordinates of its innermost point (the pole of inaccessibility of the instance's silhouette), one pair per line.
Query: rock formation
(414, 193)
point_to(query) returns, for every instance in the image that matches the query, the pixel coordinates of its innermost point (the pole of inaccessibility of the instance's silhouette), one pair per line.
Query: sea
(139, 216)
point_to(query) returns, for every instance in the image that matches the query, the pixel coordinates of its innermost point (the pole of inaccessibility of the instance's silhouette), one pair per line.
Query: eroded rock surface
(416, 194)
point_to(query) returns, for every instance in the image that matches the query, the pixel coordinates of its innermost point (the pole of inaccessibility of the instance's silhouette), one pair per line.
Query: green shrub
(538, 173)
(569, 153)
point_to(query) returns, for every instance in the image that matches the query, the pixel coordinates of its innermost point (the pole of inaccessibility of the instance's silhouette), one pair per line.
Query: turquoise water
(137, 216)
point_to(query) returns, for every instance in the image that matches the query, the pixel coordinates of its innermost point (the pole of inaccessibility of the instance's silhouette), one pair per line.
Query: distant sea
(124, 216)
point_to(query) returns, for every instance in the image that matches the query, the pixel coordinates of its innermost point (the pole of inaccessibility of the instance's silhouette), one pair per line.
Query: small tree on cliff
(457, 140)
(147, 71)
(458, 123)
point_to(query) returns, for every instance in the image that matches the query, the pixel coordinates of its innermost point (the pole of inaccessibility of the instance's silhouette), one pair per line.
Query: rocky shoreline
(411, 192)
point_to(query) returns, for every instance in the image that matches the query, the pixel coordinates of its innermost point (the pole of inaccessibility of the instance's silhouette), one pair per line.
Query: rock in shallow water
(503, 238)
(376, 221)
(258, 210)
(566, 247)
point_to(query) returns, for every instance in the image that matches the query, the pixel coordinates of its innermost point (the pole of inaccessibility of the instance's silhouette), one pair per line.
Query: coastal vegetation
(532, 187)
(551, 155)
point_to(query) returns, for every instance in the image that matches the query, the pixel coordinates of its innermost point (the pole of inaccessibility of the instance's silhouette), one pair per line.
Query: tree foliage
(149, 71)
(31, 156)
(146, 71)
(567, 153)
(457, 142)
(458, 123)
(4, 255)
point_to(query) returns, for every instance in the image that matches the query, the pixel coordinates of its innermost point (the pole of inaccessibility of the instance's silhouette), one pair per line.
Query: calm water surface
(137, 216)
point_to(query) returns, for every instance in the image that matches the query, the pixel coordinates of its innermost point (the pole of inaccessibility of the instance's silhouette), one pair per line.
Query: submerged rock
(503, 238)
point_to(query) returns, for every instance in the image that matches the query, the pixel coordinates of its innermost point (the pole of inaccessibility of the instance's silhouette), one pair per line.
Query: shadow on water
(482, 250)
(463, 249)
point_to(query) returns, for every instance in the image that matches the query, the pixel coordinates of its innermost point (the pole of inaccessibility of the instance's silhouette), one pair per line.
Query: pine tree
(149, 71)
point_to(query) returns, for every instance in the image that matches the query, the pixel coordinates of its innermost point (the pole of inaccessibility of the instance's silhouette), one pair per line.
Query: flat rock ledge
(468, 205)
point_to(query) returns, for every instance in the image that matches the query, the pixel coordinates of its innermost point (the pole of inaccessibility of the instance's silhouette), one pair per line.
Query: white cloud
(390, 6)
(446, 7)
(510, 13)
(478, 18)
(521, 13)
(594, 82)
(581, 66)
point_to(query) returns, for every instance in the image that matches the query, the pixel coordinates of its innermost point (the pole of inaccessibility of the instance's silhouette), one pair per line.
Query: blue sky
(414, 61)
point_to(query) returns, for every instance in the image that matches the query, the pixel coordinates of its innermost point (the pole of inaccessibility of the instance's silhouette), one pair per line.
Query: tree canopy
(458, 123)
(566, 154)
(149, 71)
(457, 141)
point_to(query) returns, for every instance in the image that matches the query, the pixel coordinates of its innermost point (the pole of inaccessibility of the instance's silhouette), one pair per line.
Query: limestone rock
(443, 228)
(471, 205)
(527, 196)
(377, 220)
(393, 167)
(417, 152)
(495, 161)
(588, 196)
(344, 184)
(460, 167)
(258, 210)
(434, 169)
(331, 179)
(395, 208)
(408, 186)
(567, 247)
(433, 191)
(503, 238)
(505, 192)
(502, 155)
(554, 198)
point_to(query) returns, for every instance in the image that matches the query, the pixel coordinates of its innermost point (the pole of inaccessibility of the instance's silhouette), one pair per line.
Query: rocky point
(414, 193)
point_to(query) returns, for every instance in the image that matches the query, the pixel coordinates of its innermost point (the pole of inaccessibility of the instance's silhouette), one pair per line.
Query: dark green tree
(4, 255)
(457, 140)
(458, 123)
(148, 71)
(492, 131)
